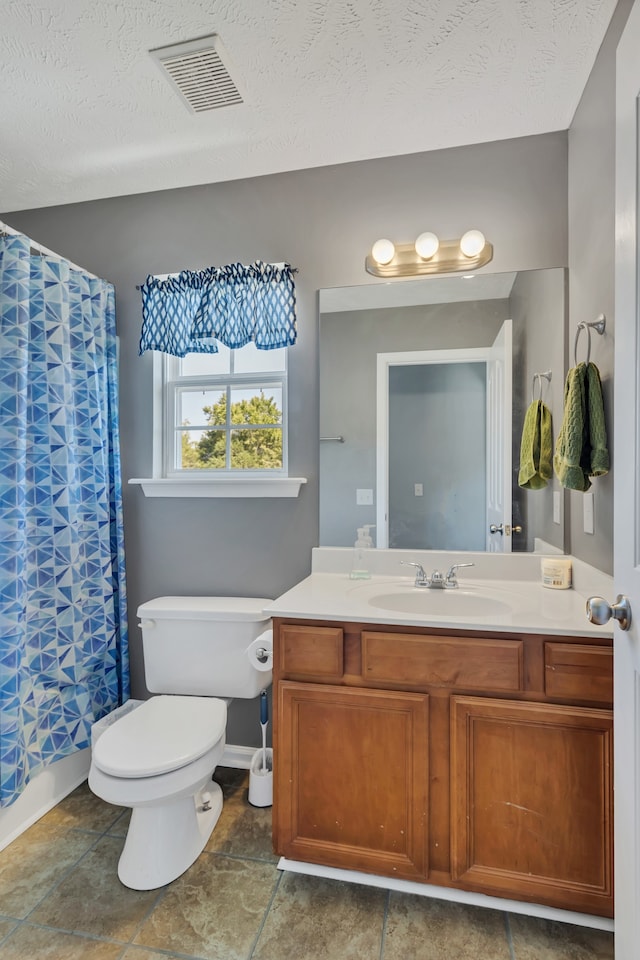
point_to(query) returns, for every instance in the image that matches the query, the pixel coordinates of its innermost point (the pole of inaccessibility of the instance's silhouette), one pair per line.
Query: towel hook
(539, 377)
(598, 325)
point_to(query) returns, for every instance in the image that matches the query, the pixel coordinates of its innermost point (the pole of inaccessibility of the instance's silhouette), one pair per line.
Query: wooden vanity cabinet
(531, 798)
(479, 761)
(353, 778)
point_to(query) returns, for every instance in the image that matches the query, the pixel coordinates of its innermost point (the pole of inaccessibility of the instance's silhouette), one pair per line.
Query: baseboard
(42, 794)
(237, 756)
(61, 778)
(446, 893)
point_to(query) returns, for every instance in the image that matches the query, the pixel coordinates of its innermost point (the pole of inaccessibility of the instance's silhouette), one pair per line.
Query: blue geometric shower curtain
(63, 627)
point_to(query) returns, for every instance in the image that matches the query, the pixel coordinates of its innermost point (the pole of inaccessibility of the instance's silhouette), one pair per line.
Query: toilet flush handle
(147, 624)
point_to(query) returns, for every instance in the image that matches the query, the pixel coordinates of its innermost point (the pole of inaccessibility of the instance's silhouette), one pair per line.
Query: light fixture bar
(447, 259)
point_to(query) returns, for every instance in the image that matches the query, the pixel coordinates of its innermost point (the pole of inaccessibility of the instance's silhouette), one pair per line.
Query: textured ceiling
(86, 113)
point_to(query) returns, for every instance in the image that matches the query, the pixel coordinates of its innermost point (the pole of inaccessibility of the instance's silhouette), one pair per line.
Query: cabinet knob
(600, 612)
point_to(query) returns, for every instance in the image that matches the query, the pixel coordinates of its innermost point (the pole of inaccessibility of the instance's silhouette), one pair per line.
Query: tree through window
(226, 412)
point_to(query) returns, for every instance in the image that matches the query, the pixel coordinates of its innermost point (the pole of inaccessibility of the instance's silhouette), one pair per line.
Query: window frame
(166, 434)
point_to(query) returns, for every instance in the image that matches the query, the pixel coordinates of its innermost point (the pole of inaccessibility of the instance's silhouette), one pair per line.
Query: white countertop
(514, 606)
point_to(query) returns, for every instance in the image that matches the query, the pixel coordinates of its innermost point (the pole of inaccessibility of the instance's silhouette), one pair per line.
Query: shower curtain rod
(5, 228)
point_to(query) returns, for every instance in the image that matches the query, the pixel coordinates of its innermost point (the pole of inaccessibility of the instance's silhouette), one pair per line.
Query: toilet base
(164, 839)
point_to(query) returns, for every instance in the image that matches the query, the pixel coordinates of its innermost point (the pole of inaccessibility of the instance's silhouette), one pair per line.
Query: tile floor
(60, 899)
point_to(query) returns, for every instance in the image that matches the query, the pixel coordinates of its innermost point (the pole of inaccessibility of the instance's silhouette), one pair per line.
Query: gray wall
(349, 344)
(323, 221)
(592, 269)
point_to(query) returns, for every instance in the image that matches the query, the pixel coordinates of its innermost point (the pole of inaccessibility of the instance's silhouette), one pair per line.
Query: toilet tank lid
(205, 608)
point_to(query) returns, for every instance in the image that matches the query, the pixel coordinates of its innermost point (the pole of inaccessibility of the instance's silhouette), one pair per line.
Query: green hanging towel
(598, 451)
(536, 447)
(568, 460)
(581, 448)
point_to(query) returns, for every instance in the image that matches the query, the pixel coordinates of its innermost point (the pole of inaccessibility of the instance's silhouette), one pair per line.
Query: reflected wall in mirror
(357, 325)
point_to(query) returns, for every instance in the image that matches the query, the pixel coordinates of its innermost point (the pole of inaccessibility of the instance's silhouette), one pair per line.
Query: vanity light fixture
(383, 251)
(429, 255)
(427, 245)
(472, 243)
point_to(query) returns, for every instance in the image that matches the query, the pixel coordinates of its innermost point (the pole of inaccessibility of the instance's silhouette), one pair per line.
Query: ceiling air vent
(197, 72)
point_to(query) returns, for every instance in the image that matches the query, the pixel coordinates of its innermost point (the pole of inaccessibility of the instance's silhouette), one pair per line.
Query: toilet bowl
(159, 761)
(159, 757)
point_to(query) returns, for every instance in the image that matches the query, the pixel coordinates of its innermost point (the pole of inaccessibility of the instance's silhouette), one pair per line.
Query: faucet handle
(451, 572)
(421, 577)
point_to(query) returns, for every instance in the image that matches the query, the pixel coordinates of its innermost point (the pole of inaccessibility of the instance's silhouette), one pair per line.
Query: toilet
(159, 757)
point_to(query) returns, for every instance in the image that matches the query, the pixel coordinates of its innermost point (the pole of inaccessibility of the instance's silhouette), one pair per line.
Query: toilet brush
(264, 720)
(261, 770)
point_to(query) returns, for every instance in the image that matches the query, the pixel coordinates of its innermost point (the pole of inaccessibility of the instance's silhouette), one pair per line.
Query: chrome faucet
(437, 580)
(422, 580)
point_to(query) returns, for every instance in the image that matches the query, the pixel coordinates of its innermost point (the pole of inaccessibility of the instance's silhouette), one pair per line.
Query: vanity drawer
(575, 671)
(457, 662)
(316, 652)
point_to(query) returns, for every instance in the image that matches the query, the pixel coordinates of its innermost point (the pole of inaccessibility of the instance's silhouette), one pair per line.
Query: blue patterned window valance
(193, 311)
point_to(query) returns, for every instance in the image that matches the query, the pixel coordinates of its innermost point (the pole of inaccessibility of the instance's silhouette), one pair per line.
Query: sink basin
(440, 603)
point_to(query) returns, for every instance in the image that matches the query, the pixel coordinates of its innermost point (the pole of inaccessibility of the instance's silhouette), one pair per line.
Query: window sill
(221, 487)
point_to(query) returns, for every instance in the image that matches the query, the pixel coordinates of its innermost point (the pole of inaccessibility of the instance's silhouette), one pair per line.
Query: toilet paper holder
(260, 651)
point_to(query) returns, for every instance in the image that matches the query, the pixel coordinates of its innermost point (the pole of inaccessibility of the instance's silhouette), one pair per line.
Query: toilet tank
(198, 645)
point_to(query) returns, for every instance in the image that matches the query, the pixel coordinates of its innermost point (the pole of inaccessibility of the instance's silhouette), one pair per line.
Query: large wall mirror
(411, 424)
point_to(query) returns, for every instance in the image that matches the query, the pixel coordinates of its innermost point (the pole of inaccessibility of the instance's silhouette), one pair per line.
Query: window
(224, 414)
(220, 419)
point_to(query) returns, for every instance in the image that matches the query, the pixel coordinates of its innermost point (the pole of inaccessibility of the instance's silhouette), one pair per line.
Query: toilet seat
(163, 734)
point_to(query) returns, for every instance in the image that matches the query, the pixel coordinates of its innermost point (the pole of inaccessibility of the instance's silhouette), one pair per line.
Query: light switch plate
(589, 526)
(364, 497)
(417, 490)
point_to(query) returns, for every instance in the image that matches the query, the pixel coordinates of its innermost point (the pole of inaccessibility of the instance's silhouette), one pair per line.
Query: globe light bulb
(427, 245)
(383, 251)
(472, 243)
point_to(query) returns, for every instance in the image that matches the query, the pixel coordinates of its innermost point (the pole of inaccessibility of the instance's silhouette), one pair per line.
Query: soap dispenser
(360, 569)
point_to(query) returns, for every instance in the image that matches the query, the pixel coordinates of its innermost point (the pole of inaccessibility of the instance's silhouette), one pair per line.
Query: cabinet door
(531, 802)
(352, 778)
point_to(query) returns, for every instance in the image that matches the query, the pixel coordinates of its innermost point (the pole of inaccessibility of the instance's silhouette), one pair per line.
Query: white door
(499, 480)
(626, 494)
